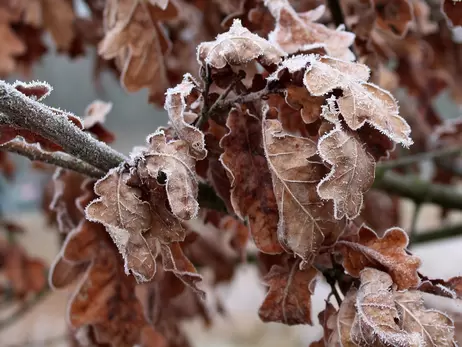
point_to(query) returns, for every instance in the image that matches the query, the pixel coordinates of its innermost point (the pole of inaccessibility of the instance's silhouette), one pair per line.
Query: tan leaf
(361, 101)
(288, 300)
(298, 31)
(95, 116)
(305, 221)
(310, 106)
(396, 318)
(58, 17)
(351, 175)
(387, 253)
(126, 217)
(252, 194)
(173, 159)
(238, 46)
(11, 46)
(175, 104)
(341, 322)
(377, 316)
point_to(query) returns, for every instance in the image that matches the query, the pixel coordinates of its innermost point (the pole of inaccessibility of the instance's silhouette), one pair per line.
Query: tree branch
(56, 158)
(19, 111)
(419, 191)
(336, 12)
(438, 234)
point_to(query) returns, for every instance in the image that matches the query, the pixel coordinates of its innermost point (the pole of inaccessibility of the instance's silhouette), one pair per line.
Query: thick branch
(419, 191)
(56, 158)
(20, 111)
(438, 234)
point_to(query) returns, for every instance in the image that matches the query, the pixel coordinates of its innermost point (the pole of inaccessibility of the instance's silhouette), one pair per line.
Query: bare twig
(336, 12)
(242, 99)
(56, 158)
(412, 159)
(19, 111)
(415, 217)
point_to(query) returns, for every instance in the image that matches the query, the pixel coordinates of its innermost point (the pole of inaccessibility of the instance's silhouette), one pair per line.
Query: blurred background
(132, 119)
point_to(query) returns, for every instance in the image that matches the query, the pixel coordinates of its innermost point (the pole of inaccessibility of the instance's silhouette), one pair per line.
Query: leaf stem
(19, 111)
(336, 12)
(55, 158)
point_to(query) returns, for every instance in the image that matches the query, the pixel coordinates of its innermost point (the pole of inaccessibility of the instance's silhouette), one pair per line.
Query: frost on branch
(252, 194)
(388, 317)
(386, 253)
(238, 46)
(288, 300)
(351, 175)
(296, 32)
(361, 102)
(177, 101)
(305, 221)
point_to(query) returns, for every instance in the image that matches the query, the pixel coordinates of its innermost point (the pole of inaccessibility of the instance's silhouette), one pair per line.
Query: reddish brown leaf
(252, 194)
(387, 253)
(452, 9)
(289, 297)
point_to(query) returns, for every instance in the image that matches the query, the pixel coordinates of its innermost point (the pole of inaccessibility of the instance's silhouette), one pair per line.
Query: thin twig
(336, 12)
(415, 217)
(56, 158)
(442, 233)
(24, 309)
(19, 111)
(242, 99)
(416, 158)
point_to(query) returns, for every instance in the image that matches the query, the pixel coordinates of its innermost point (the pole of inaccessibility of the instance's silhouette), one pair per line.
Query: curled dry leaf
(252, 194)
(298, 31)
(351, 175)
(175, 104)
(387, 253)
(396, 318)
(238, 46)
(95, 116)
(452, 9)
(305, 221)
(173, 160)
(341, 322)
(394, 15)
(310, 106)
(288, 300)
(361, 102)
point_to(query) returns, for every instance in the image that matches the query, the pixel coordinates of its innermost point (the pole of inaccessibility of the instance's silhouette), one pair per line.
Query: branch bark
(55, 158)
(19, 111)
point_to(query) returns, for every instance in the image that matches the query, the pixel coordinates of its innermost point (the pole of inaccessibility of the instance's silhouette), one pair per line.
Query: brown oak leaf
(310, 106)
(298, 31)
(238, 46)
(252, 194)
(452, 10)
(341, 322)
(387, 253)
(95, 116)
(387, 317)
(305, 221)
(361, 102)
(175, 104)
(394, 15)
(288, 300)
(351, 175)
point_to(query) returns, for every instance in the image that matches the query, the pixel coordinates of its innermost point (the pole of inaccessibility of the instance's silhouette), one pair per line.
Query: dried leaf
(175, 104)
(95, 116)
(394, 15)
(361, 101)
(351, 175)
(173, 159)
(11, 46)
(238, 46)
(305, 221)
(310, 106)
(342, 321)
(289, 297)
(298, 31)
(387, 253)
(252, 194)
(452, 10)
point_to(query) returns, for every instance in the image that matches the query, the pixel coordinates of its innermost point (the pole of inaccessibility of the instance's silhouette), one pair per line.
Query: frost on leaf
(133, 37)
(252, 194)
(452, 9)
(310, 106)
(361, 102)
(238, 46)
(173, 160)
(305, 221)
(298, 31)
(387, 253)
(341, 322)
(126, 218)
(351, 175)
(176, 103)
(388, 317)
(288, 300)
